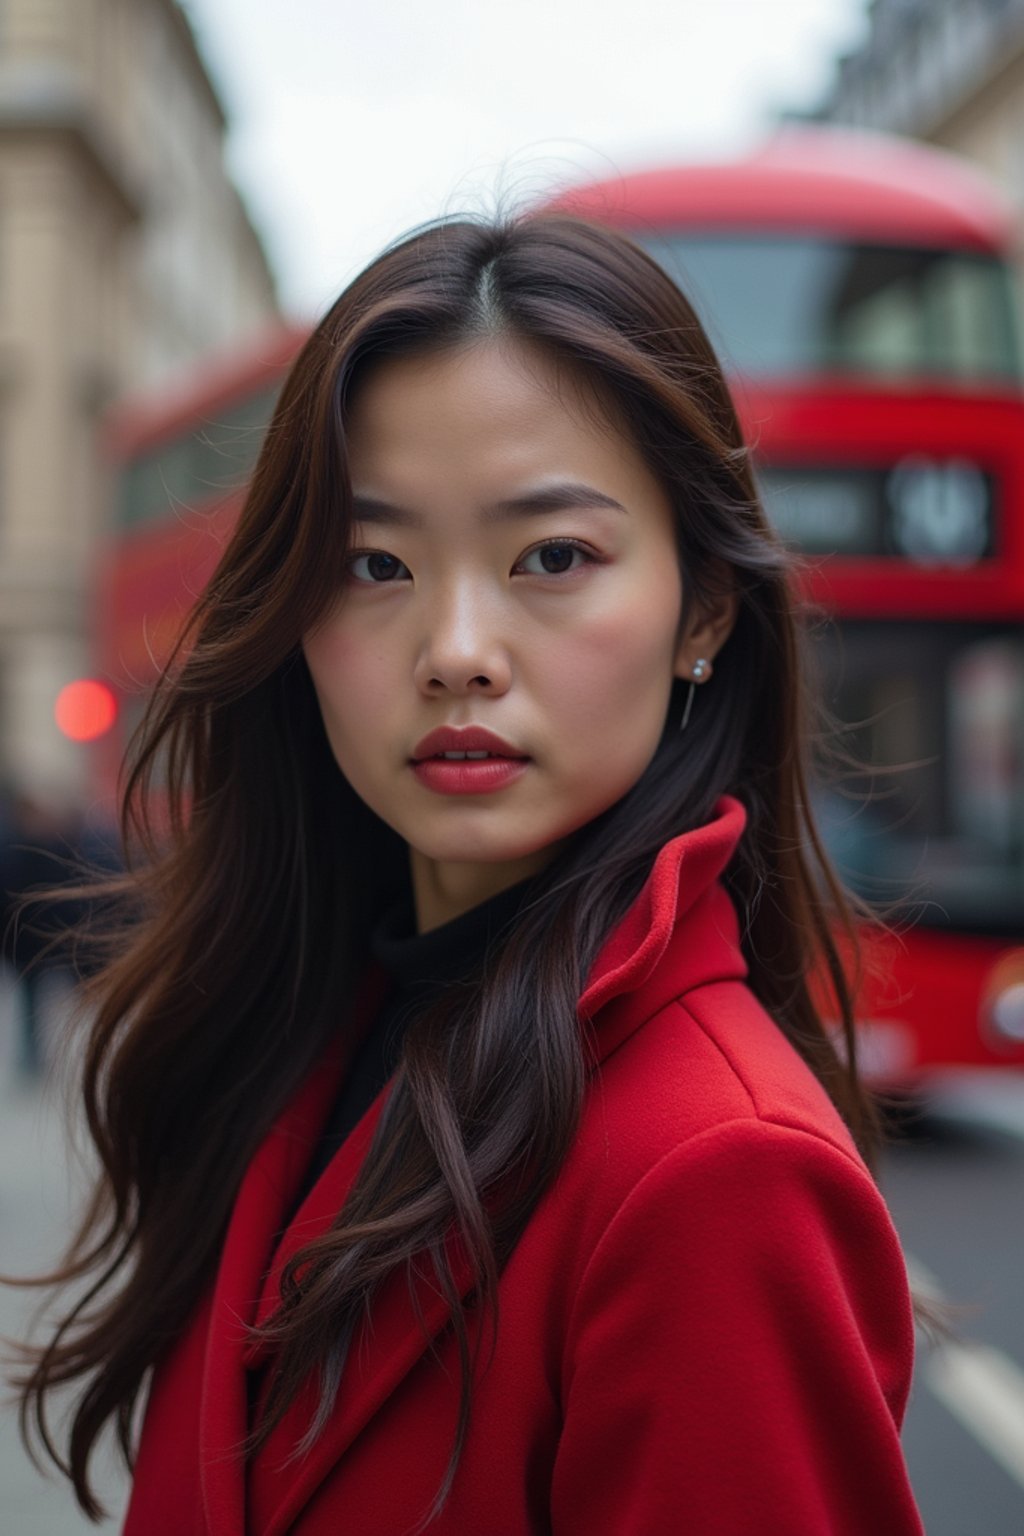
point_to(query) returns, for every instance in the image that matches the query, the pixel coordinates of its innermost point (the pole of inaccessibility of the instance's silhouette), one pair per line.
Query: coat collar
(629, 982)
(651, 957)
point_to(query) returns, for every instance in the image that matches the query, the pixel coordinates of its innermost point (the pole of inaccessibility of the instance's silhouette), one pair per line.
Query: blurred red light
(85, 709)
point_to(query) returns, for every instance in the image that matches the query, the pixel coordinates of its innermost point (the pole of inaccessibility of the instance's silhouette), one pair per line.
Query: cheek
(617, 668)
(350, 678)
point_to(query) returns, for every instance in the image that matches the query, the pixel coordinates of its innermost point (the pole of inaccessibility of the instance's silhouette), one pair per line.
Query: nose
(462, 650)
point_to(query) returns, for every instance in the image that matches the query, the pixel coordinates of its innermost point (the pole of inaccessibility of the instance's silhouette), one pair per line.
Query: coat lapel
(405, 1323)
(379, 1359)
(258, 1219)
(259, 1213)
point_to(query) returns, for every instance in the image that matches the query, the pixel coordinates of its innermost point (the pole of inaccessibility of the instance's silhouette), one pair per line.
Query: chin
(483, 848)
(486, 853)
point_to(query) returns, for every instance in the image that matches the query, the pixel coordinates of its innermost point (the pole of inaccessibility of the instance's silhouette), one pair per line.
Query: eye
(558, 557)
(375, 566)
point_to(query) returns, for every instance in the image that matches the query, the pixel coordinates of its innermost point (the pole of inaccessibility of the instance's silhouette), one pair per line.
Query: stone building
(948, 71)
(125, 253)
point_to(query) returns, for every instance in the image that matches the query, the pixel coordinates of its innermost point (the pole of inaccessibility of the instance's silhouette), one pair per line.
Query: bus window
(779, 306)
(986, 744)
(207, 461)
(936, 824)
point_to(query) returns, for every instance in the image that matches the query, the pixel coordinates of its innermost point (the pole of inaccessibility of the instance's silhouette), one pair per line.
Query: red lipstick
(484, 761)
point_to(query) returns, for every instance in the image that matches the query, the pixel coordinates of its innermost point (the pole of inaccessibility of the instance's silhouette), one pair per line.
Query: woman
(476, 1155)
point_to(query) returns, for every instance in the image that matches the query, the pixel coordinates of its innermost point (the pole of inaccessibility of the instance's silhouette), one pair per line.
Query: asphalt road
(39, 1189)
(956, 1190)
(955, 1187)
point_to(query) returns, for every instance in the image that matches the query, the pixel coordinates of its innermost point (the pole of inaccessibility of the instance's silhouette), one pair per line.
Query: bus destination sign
(933, 512)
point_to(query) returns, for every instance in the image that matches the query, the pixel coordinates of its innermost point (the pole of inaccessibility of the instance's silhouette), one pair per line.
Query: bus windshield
(780, 306)
(935, 825)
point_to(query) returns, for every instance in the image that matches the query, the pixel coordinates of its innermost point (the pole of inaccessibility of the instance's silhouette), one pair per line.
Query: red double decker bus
(860, 293)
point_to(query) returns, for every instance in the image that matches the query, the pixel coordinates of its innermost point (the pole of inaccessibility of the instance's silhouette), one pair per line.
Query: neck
(443, 891)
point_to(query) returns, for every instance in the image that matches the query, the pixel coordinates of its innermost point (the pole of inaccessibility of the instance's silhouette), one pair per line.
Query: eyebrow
(552, 498)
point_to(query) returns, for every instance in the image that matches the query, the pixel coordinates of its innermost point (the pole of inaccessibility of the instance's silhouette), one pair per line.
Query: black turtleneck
(418, 966)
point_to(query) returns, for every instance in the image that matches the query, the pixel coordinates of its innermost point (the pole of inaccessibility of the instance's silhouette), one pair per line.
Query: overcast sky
(353, 122)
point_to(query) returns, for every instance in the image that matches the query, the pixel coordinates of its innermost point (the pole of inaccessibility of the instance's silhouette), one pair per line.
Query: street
(39, 1189)
(954, 1184)
(954, 1189)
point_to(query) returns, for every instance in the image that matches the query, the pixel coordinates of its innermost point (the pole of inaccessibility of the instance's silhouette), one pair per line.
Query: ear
(708, 629)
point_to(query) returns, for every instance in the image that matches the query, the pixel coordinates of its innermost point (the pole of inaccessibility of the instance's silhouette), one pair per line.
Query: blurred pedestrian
(35, 859)
(476, 1153)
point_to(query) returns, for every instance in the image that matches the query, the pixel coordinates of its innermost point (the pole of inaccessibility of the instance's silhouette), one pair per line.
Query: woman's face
(513, 570)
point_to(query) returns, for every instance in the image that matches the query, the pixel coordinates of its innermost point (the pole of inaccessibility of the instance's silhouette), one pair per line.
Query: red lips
(470, 738)
(502, 766)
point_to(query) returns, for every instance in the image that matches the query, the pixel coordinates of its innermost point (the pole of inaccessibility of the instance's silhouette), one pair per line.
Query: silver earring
(700, 668)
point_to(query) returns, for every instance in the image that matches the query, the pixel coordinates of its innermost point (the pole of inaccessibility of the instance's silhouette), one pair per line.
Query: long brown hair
(248, 908)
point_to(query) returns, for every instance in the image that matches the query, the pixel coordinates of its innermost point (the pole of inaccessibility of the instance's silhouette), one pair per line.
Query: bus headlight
(1006, 1013)
(1003, 1002)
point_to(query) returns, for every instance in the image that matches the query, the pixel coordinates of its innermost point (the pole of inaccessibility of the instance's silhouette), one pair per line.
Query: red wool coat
(704, 1329)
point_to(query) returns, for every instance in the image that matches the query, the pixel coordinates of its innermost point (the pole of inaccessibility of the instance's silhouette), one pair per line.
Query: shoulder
(710, 1150)
(704, 1104)
(711, 1060)
(729, 1276)
(748, 1290)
